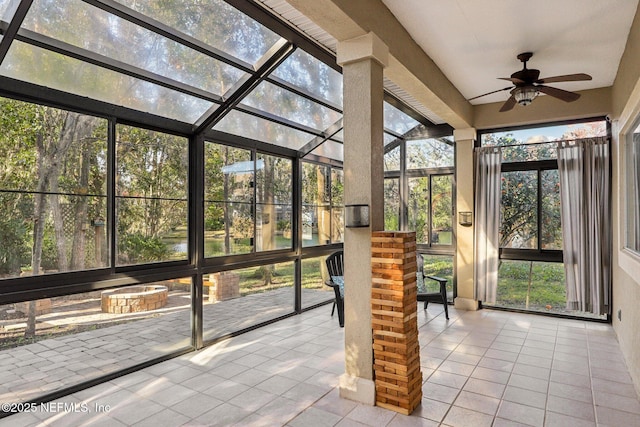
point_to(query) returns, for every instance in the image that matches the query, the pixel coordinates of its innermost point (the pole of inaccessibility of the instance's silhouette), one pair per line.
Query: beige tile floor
(486, 368)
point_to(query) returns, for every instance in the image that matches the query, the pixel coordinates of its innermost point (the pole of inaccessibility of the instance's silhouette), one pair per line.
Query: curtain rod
(545, 142)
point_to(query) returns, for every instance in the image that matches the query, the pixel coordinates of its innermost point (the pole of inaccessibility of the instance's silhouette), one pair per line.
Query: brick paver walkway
(51, 364)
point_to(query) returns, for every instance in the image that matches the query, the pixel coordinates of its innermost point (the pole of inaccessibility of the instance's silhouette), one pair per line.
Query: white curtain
(585, 200)
(487, 223)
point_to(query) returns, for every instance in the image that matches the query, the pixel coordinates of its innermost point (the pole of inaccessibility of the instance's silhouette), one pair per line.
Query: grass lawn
(534, 286)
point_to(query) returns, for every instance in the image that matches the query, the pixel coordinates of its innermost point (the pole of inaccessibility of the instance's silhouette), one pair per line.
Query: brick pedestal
(223, 286)
(134, 299)
(43, 306)
(396, 352)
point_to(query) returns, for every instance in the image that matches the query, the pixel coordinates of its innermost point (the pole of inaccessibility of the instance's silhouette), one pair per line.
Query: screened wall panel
(248, 201)
(274, 217)
(337, 205)
(442, 210)
(311, 75)
(314, 275)
(215, 23)
(392, 160)
(283, 103)
(244, 298)
(88, 27)
(84, 336)
(392, 204)
(151, 196)
(398, 121)
(519, 210)
(53, 190)
(46, 68)
(322, 204)
(551, 229)
(228, 183)
(257, 128)
(419, 209)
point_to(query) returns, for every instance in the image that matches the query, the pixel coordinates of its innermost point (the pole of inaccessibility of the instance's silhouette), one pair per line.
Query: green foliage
(214, 220)
(391, 204)
(141, 248)
(49, 252)
(284, 225)
(14, 250)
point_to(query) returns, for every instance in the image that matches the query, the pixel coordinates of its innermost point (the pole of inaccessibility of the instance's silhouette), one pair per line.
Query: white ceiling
(475, 41)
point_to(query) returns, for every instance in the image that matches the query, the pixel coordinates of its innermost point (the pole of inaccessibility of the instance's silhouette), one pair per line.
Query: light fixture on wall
(524, 95)
(465, 218)
(356, 216)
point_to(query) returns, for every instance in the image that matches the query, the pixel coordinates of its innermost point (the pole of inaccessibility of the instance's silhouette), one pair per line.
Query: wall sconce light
(465, 218)
(356, 216)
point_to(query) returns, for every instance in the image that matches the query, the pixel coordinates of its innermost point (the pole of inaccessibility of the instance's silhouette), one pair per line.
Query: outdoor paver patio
(32, 370)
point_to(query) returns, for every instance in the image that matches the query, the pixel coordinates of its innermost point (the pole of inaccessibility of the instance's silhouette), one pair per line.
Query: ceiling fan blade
(566, 78)
(489, 93)
(511, 102)
(558, 93)
(512, 79)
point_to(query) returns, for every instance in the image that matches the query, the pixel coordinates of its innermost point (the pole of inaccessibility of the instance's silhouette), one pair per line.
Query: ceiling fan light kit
(525, 95)
(528, 85)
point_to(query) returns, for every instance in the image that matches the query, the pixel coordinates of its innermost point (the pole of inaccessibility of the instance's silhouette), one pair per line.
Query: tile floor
(485, 368)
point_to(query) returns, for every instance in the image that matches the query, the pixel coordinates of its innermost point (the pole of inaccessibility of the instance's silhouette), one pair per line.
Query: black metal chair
(424, 295)
(335, 266)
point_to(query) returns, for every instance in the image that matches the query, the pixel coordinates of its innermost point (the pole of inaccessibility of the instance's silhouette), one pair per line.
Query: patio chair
(335, 266)
(424, 295)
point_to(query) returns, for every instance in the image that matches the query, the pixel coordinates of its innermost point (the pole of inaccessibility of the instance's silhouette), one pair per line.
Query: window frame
(630, 153)
(403, 175)
(542, 255)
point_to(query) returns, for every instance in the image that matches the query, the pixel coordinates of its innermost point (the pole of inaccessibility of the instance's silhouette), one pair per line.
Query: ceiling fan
(528, 85)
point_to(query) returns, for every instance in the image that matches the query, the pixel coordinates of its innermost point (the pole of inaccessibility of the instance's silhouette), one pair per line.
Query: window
(633, 190)
(531, 274)
(530, 208)
(420, 198)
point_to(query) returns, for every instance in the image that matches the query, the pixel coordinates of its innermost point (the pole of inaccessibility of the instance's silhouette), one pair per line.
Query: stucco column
(465, 140)
(362, 60)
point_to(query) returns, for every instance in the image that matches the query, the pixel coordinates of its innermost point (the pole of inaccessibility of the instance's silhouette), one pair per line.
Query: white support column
(465, 140)
(362, 59)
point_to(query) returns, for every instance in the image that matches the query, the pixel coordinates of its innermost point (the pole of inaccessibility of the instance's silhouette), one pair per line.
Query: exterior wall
(626, 284)
(626, 298)
(626, 266)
